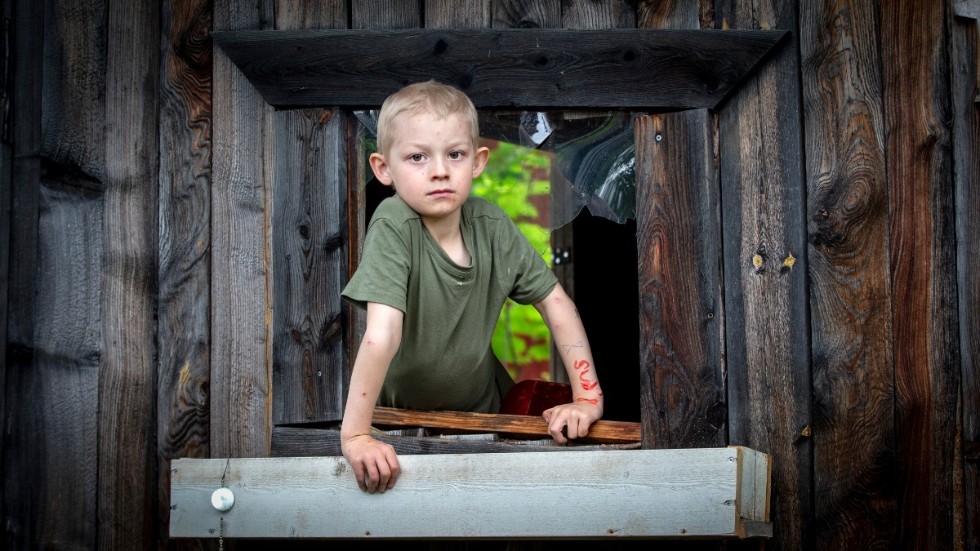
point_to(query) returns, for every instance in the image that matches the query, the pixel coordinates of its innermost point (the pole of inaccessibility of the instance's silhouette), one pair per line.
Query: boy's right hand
(375, 463)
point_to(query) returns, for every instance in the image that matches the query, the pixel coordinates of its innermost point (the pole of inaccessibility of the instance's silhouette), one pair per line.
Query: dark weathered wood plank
(310, 371)
(681, 315)
(310, 264)
(585, 14)
(527, 14)
(65, 408)
(966, 173)
(847, 220)
(766, 297)
(452, 14)
(74, 59)
(540, 68)
(923, 283)
(683, 401)
(385, 14)
(295, 442)
(307, 14)
(184, 306)
(127, 478)
(600, 432)
(241, 347)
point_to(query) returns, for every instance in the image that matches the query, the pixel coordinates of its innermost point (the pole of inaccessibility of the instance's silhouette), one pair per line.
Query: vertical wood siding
(127, 467)
(183, 307)
(679, 241)
(309, 250)
(172, 251)
(917, 116)
(765, 265)
(847, 221)
(241, 350)
(966, 174)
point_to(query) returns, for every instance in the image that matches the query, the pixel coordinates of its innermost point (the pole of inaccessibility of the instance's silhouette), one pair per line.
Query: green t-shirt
(445, 361)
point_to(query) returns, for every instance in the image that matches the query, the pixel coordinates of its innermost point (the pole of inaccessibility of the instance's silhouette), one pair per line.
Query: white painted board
(715, 492)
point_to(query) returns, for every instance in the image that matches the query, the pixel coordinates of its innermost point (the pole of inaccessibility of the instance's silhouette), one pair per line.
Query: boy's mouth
(440, 193)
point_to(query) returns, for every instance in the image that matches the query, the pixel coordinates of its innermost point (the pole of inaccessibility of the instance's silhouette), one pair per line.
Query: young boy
(436, 269)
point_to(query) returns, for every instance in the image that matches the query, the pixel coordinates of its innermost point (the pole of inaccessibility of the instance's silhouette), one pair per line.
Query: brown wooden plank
(127, 478)
(184, 332)
(600, 432)
(765, 241)
(965, 82)
(539, 68)
(917, 111)
(297, 442)
(241, 347)
(450, 14)
(683, 401)
(966, 173)
(310, 370)
(681, 318)
(849, 278)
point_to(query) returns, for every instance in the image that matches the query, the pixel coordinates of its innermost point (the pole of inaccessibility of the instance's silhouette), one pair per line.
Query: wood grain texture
(241, 347)
(127, 478)
(642, 493)
(527, 14)
(766, 296)
(586, 14)
(304, 442)
(310, 263)
(451, 14)
(606, 432)
(683, 401)
(66, 367)
(184, 306)
(385, 14)
(541, 68)
(923, 288)
(75, 85)
(966, 173)
(681, 316)
(847, 221)
(309, 220)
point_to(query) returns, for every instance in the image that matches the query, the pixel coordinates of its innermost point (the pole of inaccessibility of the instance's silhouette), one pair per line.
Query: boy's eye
(416, 158)
(456, 155)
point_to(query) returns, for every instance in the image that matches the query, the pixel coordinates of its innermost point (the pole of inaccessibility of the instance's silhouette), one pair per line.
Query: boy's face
(431, 163)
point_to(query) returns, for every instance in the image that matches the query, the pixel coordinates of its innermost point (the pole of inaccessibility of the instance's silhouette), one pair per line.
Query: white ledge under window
(697, 493)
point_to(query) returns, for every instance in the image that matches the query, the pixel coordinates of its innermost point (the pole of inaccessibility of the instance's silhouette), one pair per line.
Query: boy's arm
(375, 463)
(572, 344)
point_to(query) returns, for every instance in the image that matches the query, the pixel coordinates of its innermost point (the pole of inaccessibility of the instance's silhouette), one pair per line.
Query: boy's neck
(446, 232)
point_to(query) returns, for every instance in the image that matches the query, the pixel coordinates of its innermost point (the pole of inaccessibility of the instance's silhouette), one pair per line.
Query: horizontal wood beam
(601, 432)
(683, 493)
(524, 68)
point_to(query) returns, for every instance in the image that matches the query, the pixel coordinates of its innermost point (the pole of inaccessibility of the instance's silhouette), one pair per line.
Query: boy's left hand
(577, 417)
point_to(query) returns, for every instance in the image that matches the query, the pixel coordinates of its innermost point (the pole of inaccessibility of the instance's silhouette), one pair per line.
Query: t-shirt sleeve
(532, 279)
(382, 275)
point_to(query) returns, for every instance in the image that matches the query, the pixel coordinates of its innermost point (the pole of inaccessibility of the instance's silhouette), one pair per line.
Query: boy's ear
(380, 168)
(480, 160)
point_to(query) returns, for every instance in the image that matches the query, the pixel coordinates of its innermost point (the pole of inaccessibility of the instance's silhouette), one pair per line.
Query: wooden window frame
(629, 69)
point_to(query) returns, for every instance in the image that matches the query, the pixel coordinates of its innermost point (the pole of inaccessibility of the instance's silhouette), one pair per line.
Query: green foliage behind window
(521, 339)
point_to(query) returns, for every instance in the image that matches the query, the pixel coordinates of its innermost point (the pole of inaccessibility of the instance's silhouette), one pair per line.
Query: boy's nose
(439, 168)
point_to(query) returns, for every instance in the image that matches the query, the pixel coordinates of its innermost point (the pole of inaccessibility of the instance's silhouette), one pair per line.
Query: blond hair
(437, 98)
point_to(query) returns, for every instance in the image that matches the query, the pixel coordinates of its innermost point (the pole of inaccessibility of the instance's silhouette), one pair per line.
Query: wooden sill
(514, 426)
(689, 493)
